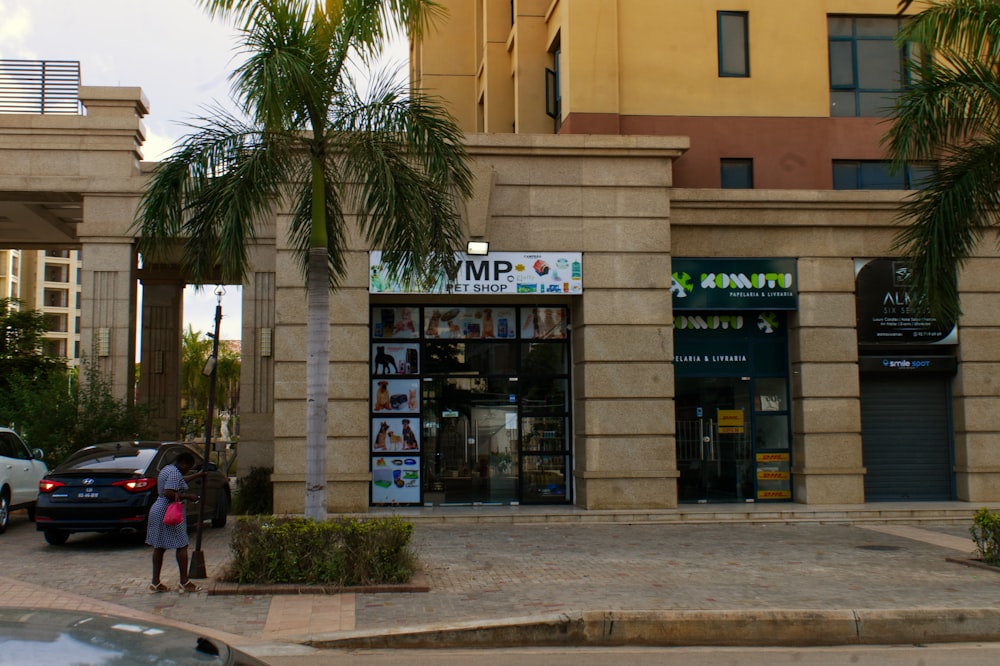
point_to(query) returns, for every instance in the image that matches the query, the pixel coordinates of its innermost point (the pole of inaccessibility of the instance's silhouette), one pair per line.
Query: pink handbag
(174, 515)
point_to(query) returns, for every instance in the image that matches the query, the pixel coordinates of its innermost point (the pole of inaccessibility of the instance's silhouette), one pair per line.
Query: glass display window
(470, 405)
(544, 323)
(395, 323)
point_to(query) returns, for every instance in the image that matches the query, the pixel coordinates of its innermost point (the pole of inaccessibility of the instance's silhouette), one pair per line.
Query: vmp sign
(734, 284)
(518, 273)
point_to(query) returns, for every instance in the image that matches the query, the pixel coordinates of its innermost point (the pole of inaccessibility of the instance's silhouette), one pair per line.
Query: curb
(418, 583)
(762, 628)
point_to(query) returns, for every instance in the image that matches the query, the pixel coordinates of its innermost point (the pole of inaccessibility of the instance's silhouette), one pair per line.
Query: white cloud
(14, 25)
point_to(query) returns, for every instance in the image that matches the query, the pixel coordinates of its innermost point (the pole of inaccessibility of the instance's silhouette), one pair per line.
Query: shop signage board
(774, 475)
(731, 421)
(734, 284)
(908, 365)
(885, 315)
(497, 273)
(730, 344)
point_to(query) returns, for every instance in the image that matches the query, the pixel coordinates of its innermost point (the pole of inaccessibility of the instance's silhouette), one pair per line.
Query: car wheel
(56, 537)
(4, 511)
(31, 512)
(221, 510)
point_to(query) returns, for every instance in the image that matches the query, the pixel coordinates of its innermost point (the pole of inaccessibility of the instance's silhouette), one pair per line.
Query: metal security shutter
(906, 438)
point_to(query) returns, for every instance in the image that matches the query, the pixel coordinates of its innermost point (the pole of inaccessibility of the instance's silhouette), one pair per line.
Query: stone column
(977, 388)
(826, 391)
(107, 313)
(160, 353)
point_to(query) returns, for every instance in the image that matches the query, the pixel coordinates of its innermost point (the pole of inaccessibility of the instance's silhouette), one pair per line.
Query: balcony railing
(40, 86)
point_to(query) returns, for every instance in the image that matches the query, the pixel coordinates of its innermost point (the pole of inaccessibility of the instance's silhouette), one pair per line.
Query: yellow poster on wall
(731, 421)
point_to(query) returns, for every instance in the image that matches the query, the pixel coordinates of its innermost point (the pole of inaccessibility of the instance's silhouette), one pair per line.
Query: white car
(20, 472)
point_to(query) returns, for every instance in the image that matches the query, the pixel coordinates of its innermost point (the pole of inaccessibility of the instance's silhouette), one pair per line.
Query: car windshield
(132, 460)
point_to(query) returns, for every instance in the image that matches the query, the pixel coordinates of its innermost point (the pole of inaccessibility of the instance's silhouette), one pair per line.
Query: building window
(734, 48)
(553, 97)
(737, 174)
(876, 175)
(867, 67)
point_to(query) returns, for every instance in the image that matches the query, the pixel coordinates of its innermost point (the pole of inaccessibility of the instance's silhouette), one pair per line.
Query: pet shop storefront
(470, 382)
(733, 417)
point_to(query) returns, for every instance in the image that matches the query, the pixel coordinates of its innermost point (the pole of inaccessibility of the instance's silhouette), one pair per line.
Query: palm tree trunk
(317, 382)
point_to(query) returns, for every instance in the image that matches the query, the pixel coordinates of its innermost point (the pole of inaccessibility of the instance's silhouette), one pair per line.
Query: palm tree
(950, 114)
(394, 161)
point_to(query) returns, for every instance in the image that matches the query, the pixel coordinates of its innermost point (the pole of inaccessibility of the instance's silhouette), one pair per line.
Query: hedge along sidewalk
(419, 583)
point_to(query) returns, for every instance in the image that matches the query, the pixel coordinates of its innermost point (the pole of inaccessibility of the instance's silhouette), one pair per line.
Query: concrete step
(894, 512)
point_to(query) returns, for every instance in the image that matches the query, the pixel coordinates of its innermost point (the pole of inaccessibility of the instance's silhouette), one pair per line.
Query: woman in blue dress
(171, 484)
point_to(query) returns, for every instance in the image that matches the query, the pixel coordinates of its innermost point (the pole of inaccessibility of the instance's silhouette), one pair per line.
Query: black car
(110, 487)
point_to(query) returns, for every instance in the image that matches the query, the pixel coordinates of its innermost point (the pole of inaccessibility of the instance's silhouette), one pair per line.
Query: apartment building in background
(47, 281)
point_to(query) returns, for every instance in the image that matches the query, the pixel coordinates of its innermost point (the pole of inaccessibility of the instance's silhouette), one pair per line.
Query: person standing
(171, 486)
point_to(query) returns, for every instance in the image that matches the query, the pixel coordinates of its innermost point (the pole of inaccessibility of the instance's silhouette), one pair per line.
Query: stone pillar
(160, 353)
(347, 457)
(826, 391)
(107, 313)
(977, 387)
(623, 377)
(257, 363)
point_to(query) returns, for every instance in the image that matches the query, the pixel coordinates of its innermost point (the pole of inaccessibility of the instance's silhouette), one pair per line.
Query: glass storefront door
(470, 440)
(714, 445)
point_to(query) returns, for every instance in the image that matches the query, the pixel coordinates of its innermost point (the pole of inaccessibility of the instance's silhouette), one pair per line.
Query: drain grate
(878, 547)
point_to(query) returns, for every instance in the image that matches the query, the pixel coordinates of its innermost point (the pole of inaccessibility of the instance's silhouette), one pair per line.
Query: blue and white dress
(159, 535)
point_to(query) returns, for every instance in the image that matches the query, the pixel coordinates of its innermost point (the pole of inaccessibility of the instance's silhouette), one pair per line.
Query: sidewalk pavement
(505, 582)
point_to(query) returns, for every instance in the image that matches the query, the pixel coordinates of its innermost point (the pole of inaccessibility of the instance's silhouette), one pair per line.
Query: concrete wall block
(979, 274)
(650, 493)
(826, 310)
(979, 310)
(977, 380)
(627, 271)
(980, 414)
(978, 487)
(626, 417)
(977, 450)
(623, 343)
(824, 345)
(977, 344)
(828, 451)
(646, 235)
(629, 454)
(626, 202)
(827, 275)
(827, 415)
(632, 307)
(825, 380)
(828, 488)
(638, 379)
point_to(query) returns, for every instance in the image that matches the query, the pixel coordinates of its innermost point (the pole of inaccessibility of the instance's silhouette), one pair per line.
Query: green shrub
(254, 494)
(268, 549)
(985, 533)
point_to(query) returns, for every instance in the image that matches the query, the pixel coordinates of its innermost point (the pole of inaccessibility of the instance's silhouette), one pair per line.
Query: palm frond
(947, 220)
(952, 100)
(965, 27)
(211, 194)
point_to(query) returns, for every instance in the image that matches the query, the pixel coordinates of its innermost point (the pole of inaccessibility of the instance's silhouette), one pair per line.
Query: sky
(171, 49)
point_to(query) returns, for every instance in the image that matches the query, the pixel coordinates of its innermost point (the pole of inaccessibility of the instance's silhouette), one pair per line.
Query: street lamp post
(197, 568)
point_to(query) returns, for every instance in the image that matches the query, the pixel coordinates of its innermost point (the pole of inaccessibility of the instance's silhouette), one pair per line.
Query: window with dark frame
(734, 44)
(877, 175)
(553, 99)
(737, 174)
(868, 69)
